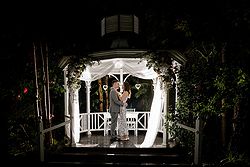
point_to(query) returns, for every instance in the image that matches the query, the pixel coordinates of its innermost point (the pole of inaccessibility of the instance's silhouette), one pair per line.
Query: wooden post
(88, 86)
(166, 113)
(198, 138)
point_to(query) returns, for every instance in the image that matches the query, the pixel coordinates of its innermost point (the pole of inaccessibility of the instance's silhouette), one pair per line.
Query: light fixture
(137, 86)
(118, 64)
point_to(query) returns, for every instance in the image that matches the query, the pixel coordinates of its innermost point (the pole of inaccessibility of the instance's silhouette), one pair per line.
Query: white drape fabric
(137, 68)
(134, 66)
(154, 117)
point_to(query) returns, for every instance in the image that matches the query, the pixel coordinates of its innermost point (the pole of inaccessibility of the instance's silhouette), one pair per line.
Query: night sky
(75, 25)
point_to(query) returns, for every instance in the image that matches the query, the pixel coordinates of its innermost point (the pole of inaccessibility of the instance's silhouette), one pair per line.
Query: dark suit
(114, 109)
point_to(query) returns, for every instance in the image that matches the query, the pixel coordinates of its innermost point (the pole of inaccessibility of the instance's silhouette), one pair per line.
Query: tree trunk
(100, 95)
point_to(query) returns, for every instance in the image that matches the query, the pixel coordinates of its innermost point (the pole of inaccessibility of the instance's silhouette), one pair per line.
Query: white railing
(98, 121)
(42, 132)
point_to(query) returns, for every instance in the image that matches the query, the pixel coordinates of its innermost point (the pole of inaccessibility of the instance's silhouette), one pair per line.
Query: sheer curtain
(154, 117)
(134, 66)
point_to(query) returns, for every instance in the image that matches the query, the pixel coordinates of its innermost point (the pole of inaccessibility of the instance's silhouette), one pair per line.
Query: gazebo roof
(118, 53)
(137, 53)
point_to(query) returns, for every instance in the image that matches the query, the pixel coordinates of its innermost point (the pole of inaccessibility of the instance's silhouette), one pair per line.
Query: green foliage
(75, 69)
(232, 84)
(22, 125)
(56, 82)
(197, 93)
(182, 25)
(233, 160)
(161, 64)
(144, 94)
(206, 88)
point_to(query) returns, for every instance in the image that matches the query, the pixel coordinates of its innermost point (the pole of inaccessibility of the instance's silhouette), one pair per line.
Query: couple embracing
(117, 108)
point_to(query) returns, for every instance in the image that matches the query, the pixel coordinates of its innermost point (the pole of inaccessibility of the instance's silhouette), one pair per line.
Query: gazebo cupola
(120, 31)
(120, 37)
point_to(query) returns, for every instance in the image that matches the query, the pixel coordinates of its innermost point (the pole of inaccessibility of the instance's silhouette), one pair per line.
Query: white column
(75, 116)
(166, 112)
(164, 138)
(154, 83)
(88, 86)
(66, 102)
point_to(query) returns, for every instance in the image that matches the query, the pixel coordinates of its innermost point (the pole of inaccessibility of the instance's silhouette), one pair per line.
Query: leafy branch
(75, 69)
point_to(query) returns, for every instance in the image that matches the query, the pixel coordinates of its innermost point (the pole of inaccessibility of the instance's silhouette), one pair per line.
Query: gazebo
(120, 59)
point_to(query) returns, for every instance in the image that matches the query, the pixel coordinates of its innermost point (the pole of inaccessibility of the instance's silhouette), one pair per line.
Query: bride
(122, 121)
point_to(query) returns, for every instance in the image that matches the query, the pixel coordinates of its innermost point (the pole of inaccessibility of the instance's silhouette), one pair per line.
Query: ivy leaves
(75, 69)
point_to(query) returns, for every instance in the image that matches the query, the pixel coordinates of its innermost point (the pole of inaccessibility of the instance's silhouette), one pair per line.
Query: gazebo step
(117, 156)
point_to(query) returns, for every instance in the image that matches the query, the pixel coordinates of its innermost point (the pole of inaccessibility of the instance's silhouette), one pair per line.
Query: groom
(114, 108)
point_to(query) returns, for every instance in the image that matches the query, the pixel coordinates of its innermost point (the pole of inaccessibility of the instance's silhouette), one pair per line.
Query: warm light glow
(86, 75)
(118, 64)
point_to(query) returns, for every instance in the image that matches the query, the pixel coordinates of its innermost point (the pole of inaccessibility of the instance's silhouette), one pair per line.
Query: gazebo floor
(97, 139)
